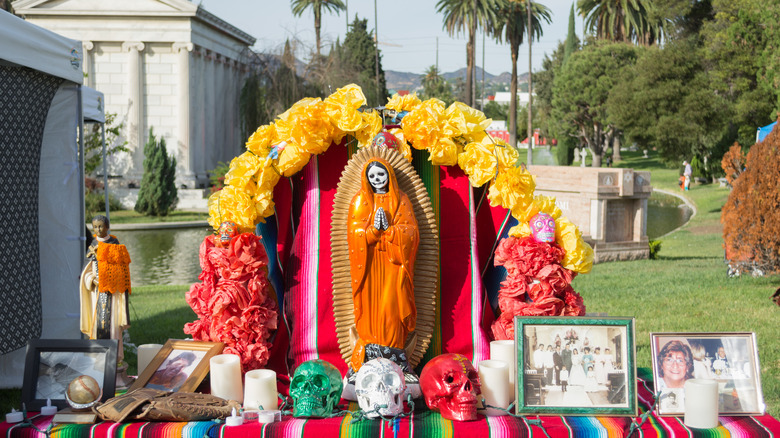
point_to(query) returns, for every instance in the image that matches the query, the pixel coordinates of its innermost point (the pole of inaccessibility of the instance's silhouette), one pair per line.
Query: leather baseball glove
(148, 404)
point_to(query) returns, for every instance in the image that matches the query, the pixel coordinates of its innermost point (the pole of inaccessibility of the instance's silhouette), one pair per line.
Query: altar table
(422, 423)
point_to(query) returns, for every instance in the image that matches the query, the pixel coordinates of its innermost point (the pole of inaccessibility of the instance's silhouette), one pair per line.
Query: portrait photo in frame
(731, 359)
(51, 364)
(576, 366)
(180, 365)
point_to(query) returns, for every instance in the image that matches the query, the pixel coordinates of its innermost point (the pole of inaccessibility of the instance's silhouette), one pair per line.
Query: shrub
(733, 163)
(158, 194)
(751, 215)
(564, 152)
(655, 248)
(95, 203)
(217, 176)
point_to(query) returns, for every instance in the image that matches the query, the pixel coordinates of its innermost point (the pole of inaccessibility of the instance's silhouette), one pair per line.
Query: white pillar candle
(701, 403)
(494, 378)
(225, 372)
(146, 352)
(260, 390)
(505, 352)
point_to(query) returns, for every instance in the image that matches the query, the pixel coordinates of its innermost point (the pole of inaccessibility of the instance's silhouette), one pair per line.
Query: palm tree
(460, 15)
(434, 85)
(514, 30)
(299, 6)
(621, 20)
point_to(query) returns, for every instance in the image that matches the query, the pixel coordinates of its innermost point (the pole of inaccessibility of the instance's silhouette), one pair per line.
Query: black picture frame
(50, 364)
(537, 391)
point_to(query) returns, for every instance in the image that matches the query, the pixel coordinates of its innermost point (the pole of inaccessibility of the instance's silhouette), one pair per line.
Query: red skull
(450, 385)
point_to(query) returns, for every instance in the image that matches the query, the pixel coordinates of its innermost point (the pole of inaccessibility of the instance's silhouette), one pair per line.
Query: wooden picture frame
(51, 364)
(180, 365)
(608, 387)
(737, 372)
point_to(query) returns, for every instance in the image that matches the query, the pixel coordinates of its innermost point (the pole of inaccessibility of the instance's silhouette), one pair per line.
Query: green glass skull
(315, 389)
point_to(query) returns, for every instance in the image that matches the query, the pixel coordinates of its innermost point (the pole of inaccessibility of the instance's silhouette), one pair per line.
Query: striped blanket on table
(422, 423)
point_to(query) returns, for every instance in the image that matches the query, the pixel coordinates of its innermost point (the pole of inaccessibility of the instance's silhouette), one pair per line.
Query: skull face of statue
(543, 228)
(315, 389)
(378, 177)
(451, 385)
(227, 231)
(380, 387)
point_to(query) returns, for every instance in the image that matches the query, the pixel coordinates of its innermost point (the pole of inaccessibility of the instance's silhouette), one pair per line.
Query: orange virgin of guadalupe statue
(383, 239)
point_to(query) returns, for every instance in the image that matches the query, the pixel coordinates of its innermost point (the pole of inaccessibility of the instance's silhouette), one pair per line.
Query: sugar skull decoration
(227, 231)
(543, 228)
(315, 389)
(380, 388)
(385, 140)
(450, 385)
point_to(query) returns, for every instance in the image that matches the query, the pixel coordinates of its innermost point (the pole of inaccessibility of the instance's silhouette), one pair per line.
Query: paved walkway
(158, 225)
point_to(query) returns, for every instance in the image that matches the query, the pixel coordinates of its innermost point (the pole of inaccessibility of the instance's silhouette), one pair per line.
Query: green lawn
(685, 290)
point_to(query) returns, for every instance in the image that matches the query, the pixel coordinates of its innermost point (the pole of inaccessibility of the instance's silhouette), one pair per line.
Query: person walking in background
(687, 174)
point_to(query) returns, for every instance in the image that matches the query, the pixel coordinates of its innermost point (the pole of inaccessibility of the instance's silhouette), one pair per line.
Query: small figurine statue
(105, 290)
(383, 241)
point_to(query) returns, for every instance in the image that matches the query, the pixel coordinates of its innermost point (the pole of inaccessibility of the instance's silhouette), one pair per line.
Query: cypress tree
(158, 194)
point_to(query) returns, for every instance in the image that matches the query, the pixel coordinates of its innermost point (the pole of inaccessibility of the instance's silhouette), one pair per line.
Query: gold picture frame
(168, 372)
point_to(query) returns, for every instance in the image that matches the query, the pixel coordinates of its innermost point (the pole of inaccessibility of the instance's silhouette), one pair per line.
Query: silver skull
(380, 387)
(378, 177)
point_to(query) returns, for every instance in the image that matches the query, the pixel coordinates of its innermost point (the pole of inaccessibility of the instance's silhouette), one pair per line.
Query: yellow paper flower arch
(453, 135)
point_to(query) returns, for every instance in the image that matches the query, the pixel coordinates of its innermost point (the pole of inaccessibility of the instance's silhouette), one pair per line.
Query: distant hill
(397, 80)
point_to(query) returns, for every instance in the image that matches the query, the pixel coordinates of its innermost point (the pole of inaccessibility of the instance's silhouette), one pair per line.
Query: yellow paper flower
(372, 124)
(231, 204)
(341, 107)
(403, 147)
(464, 120)
(262, 140)
(242, 169)
(423, 125)
(267, 177)
(540, 204)
(306, 125)
(579, 255)
(479, 163)
(512, 189)
(507, 156)
(264, 204)
(444, 153)
(291, 159)
(403, 103)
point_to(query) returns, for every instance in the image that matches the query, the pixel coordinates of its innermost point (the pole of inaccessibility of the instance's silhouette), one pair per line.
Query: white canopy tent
(41, 191)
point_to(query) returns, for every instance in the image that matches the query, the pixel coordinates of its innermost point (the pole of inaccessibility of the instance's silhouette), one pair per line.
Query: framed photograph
(576, 366)
(179, 366)
(729, 358)
(51, 364)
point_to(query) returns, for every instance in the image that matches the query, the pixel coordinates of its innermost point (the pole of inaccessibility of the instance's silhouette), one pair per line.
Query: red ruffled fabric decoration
(536, 284)
(234, 301)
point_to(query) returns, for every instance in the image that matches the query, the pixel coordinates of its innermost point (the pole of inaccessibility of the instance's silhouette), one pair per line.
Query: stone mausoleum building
(164, 64)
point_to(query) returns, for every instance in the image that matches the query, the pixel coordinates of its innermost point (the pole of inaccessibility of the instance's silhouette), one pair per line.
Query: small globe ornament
(386, 140)
(83, 392)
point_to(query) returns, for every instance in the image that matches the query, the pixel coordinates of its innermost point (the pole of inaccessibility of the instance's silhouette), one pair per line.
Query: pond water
(664, 214)
(170, 256)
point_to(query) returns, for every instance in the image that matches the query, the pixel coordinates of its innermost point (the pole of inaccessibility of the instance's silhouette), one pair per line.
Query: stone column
(135, 118)
(89, 70)
(186, 162)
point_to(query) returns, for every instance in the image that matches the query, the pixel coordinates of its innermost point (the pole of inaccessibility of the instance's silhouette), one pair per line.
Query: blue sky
(413, 35)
